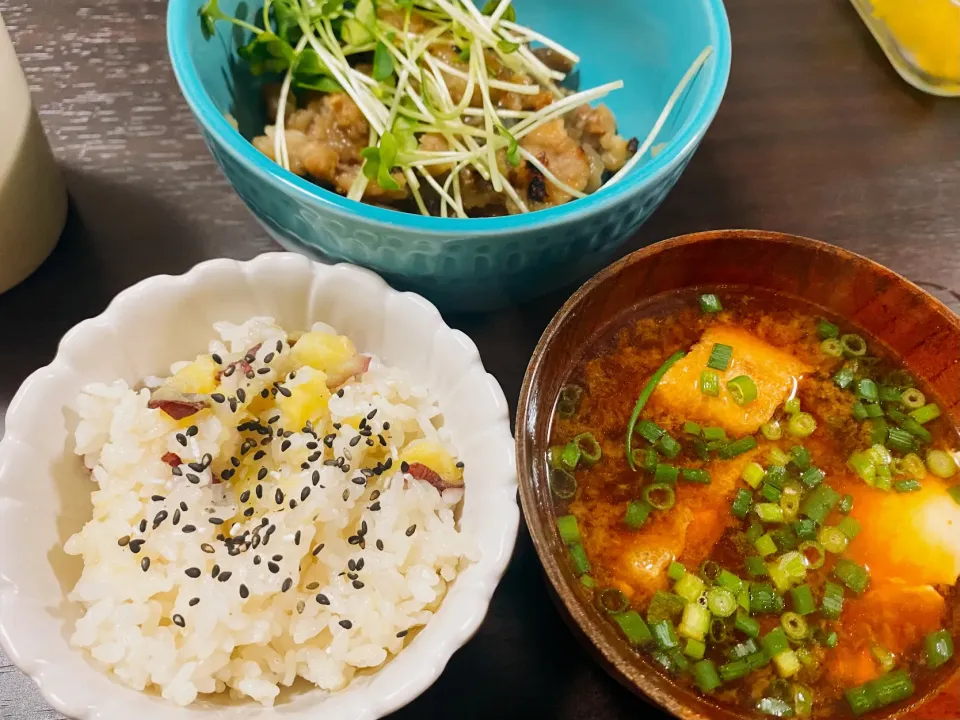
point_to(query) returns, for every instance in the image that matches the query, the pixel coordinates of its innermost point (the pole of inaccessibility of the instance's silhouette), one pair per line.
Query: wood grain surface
(817, 136)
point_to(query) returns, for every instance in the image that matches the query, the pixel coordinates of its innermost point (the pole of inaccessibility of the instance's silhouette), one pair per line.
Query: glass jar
(921, 38)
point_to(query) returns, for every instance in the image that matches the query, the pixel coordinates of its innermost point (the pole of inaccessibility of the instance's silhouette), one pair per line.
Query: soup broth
(763, 501)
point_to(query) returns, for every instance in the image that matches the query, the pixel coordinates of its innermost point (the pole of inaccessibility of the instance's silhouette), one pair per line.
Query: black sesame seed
(215, 571)
(296, 538)
(245, 496)
(379, 544)
(352, 564)
(176, 471)
(386, 425)
(357, 585)
(179, 621)
(410, 530)
(460, 465)
(382, 440)
(218, 397)
(317, 549)
(375, 507)
(260, 454)
(124, 541)
(263, 371)
(388, 464)
(284, 391)
(189, 528)
(304, 466)
(279, 432)
(273, 567)
(363, 423)
(233, 405)
(257, 559)
(227, 474)
(360, 564)
(248, 512)
(346, 494)
(192, 430)
(304, 494)
(217, 359)
(145, 564)
(277, 558)
(363, 528)
(279, 345)
(225, 576)
(354, 440)
(345, 468)
(278, 496)
(402, 633)
(262, 474)
(143, 525)
(330, 463)
(182, 439)
(135, 546)
(322, 599)
(404, 466)
(229, 371)
(193, 478)
(216, 521)
(285, 445)
(158, 498)
(375, 494)
(207, 548)
(244, 592)
(197, 467)
(159, 518)
(235, 461)
(259, 491)
(315, 478)
(241, 395)
(287, 584)
(313, 586)
(266, 441)
(346, 624)
(264, 394)
(354, 539)
(194, 602)
(176, 517)
(193, 572)
(293, 504)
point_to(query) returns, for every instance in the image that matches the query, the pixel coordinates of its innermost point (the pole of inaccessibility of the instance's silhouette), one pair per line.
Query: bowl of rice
(271, 486)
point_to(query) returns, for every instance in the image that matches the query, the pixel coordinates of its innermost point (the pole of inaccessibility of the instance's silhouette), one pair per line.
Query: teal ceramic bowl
(482, 263)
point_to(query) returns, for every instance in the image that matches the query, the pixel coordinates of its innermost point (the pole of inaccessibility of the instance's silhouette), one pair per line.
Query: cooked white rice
(154, 627)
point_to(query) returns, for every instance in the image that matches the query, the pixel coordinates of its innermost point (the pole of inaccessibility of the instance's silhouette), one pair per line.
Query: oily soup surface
(905, 535)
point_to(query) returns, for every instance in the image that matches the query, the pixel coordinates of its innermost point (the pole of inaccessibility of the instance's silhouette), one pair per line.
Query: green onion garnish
(734, 670)
(811, 477)
(709, 383)
(720, 357)
(637, 513)
(923, 415)
(912, 399)
(664, 634)
(846, 504)
(867, 390)
(939, 648)
(873, 411)
(832, 603)
(691, 428)
(612, 600)
(747, 625)
(885, 690)
(826, 329)
(801, 457)
(831, 347)
(878, 431)
(844, 376)
(579, 557)
(696, 475)
(905, 486)
(737, 447)
(742, 389)
(916, 429)
(714, 433)
(794, 625)
(770, 492)
(900, 440)
(589, 448)
(859, 411)
(812, 552)
(633, 627)
(889, 394)
(659, 496)
(818, 504)
(742, 503)
(802, 598)
(805, 528)
(755, 566)
(562, 483)
(941, 464)
(569, 530)
(801, 425)
(833, 540)
(850, 527)
(646, 459)
(588, 582)
(775, 642)
(666, 474)
(887, 660)
(852, 575)
(649, 431)
(792, 406)
(695, 649)
(705, 675)
(765, 545)
(569, 401)
(695, 621)
(771, 430)
(721, 602)
(642, 400)
(570, 457)
(853, 345)
(676, 571)
(664, 606)
(752, 474)
(668, 446)
(710, 303)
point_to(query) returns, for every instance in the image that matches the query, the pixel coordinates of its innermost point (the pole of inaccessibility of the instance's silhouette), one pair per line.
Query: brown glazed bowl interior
(915, 327)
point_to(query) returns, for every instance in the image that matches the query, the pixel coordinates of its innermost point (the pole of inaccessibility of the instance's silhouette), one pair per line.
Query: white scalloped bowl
(45, 490)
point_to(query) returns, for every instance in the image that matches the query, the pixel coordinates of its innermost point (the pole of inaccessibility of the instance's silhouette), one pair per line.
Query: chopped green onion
(859, 411)
(676, 571)
(826, 329)
(742, 650)
(569, 530)
(742, 389)
(691, 428)
(637, 513)
(747, 625)
(775, 642)
(941, 464)
(737, 447)
(878, 431)
(666, 474)
(765, 545)
(734, 670)
(714, 433)
(771, 430)
(768, 512)
(642, 400)
(696, 475)
(569, 401)
(831, 347)
(802, 697)
(742, 503)
(905, 486)
(853, 345)
(830, 639)
(664, 606)
(802, 597)
(695, 649)
(776, 475)
(900, 440)
(862, 464)
(579, 557)
(775, 706)
(849, 526)
(776, 456)
(801, 425)
(689, 587)
(889, 394)
(659, 496)
(587, 581)
(812, 477)
(770, 492)
(705, 676)
(763, 598)
(860, 699)
(720, 357)
(648, 461)
(916, 429)
(755, 566)
(846, 504)
(633, 627)
(589, 448)
(710, 303)
(867, 390)
(665, 635)
(912, 399)
(709, 383)
(721, 602)
(923, 415)
(752, 474)
(562, 483)
(818, 504)
(649, 431)
(801, 457)
(612, 600)
(570, 457)
(728, 580)
(844, 376)
(792, 406)
(785, 538)
(668, 446)
(883, 481)
(887, 660)
(788, 665)
(852, 575)
(833, 540)
(813, 554)
(695, 621)
(805, 528)
(884, 690)
(754, 532)
(939, 648)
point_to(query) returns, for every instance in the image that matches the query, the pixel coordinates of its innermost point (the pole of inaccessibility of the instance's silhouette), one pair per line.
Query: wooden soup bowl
(914, 326)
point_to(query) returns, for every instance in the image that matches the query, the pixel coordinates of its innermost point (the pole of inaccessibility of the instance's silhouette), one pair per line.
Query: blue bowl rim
(181, 12)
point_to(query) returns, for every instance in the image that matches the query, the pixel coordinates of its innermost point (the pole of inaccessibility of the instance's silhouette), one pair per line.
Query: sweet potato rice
(432, 106)
(280, 507)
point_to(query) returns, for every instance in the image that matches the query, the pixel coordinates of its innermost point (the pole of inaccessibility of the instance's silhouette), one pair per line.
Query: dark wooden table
(817, 136)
